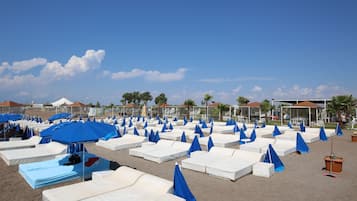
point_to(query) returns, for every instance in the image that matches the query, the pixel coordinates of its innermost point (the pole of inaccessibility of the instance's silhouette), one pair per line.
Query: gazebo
(306, 112)
(77, 107)
(253, 111)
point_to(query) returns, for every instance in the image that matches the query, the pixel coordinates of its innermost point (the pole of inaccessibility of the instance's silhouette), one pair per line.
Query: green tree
(242, 100)
(146, 97)
(97, 104)
(222, 108)
(265, 106)
(340, 105)
(136, 97)
(189, 103)
(160, 99)
(127, 97)
(206, 99)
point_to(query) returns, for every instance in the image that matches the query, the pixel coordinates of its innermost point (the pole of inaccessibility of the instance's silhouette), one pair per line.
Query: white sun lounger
(284, 147)
(199, 159)
(220, 140)
(146, 188)
(307, 136)
(149, 146)
(240, 164)
(260, 145)
(27, 155)
(122, 184)
(162, 154)
(124, 142)
(118, 179)
(18, 144)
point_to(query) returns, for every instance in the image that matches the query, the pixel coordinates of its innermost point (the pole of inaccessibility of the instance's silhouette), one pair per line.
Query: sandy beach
(302, 180)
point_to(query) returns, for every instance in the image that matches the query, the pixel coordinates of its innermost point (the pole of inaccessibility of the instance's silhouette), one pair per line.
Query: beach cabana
(306, 112)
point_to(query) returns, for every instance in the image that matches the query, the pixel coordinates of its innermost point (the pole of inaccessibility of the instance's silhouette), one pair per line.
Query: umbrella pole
(83, 162)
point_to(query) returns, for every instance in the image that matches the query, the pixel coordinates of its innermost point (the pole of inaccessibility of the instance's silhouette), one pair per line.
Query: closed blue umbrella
(301, 145)
(183, 137)
(338, 130)
(289, 125)
(195, 146)
(302, 127)
(210, 143)
(272, 157)
(136, 131)
(276, 131)
(181, 188)
(322, 134)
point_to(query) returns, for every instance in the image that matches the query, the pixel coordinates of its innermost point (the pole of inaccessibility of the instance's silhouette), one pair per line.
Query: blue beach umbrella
(136, 131)
(301, 145)
(302, 127)
(210, 143)
(338, 130)
(183, 137)
(181, 188)
(272, 157)
(276, 131)
(195, 146)
(322, 134)
(289, 125)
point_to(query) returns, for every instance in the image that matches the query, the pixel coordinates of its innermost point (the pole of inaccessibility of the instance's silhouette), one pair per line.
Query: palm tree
(206, 99)
(340, 105)
(189, 103)
(222, 108)
(265, 106)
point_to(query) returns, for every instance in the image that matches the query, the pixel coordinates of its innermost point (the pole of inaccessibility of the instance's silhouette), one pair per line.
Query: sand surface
(302, 180)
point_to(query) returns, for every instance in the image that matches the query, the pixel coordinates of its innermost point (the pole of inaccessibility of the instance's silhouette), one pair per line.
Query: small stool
(263, 169)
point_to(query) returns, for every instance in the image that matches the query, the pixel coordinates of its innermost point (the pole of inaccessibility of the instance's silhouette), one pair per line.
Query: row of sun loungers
(122, 184)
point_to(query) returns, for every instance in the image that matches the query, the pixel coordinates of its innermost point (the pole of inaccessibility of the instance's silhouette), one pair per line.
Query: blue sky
(96, 50)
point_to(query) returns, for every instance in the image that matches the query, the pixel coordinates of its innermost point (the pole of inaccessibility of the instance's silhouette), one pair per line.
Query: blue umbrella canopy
(195, 146)
(181, 188)
(272, 157)
(322, 134)
(183, 137)
(210, 143)
(301, 145)
(59, 116)
(338, 130)
(302, 127)
(276, 131)
(75, 132)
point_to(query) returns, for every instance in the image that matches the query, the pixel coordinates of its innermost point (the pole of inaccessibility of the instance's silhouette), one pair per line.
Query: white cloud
(257, 89)
(4, 66)
(25, 65)
(240, 79)
(75, 65)
(321, 91)
(237, 89)
(151, 75)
